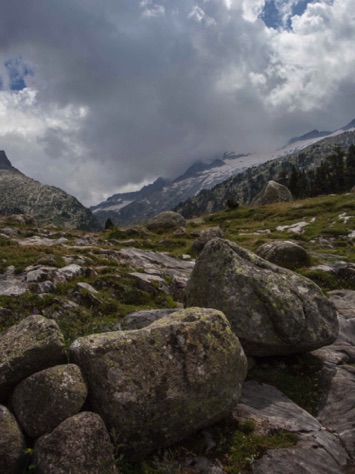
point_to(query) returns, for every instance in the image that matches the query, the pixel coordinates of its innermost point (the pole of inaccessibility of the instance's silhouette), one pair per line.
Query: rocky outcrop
(32, 345)
(12, 443)
(157, 385)
(272, 192)
(79, 444)
(272, 310)
(284, 253)
(166, 220)
(60, 393)
(46, 204)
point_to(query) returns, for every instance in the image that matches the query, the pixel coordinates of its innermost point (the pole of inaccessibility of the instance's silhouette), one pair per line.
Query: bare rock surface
(60, 393)
(316, 452)
(12, 284)
(338, 411)
(284, 253)
(141, 319)
(158, 267)
(155, 263)
(12, 443)
(160, 384)
(80, 444)
(273, 311)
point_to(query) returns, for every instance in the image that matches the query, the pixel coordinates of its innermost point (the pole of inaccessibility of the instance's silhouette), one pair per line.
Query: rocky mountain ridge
(245, 186)
(49, 205)
(133, 208)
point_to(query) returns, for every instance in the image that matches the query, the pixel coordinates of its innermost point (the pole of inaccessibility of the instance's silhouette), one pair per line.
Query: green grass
(237, 446)
(298, 377)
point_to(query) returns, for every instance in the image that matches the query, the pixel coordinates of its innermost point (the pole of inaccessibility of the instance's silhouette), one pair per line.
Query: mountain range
(20, 194)
(164, 194)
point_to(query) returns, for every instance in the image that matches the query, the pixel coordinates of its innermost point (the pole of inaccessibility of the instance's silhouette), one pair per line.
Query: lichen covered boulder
(32, 345)
(81, 444)
(284, 253)
(45, 399)
(272, 192)
(159, 384)
(12, 443)
(166, 220)
(273, 311)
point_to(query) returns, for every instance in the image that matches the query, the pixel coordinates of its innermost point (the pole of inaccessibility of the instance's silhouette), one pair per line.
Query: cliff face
(20, 194)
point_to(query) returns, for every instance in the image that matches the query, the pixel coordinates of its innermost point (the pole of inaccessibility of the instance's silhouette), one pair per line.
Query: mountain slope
(20, 194)
(135, 208)
(244, 186)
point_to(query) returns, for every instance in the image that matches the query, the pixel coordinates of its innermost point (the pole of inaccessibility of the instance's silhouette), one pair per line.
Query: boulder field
(172, 373)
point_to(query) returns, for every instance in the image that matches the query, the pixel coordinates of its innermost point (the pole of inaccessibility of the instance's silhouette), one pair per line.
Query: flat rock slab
(317, 451)
(344, 301)
(42, 241)
(156, 263)
(141, 319)
(11, 284)
(266, 405)
(338, 411)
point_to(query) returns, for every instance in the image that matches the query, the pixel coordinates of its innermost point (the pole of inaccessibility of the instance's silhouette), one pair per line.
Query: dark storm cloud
(129, 90)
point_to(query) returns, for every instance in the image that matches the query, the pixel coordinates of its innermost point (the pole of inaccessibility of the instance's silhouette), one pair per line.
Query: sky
(103, 97)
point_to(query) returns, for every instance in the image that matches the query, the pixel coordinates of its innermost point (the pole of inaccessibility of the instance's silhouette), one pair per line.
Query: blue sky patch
(272, 16)
(17, 71)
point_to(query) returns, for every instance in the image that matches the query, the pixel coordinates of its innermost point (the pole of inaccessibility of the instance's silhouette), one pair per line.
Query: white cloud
(130, 90)
(252, 10)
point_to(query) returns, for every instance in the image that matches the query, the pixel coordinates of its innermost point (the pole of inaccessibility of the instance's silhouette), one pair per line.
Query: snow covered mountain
(133, 208)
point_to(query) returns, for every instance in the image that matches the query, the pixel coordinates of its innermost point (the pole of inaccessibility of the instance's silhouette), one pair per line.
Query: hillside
(244, 186)
(20, 194)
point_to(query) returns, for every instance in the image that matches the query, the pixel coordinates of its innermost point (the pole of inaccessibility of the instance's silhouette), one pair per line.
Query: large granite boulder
(45, 399)
(12, 443)
(32, 345)
(284, 253)
(157, 385)
(273, 311)
(272, 192)
(166, 220)
(81, 444)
